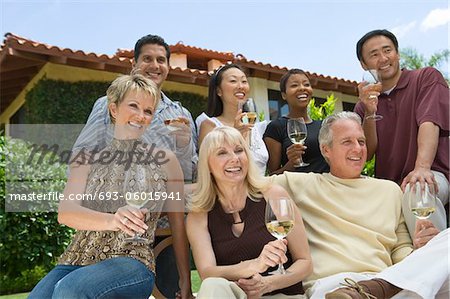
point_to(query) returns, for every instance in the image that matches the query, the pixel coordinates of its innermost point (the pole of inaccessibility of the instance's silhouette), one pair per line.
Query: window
(346, 106)
(277, 106)
(319, 101)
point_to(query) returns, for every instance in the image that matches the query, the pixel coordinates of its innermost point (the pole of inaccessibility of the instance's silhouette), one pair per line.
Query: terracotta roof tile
(123, 55)
(181, 47)
(123, 58)
(12, 39)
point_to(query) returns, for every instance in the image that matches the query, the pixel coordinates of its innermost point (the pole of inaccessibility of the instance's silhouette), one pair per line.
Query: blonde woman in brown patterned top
(101, 262)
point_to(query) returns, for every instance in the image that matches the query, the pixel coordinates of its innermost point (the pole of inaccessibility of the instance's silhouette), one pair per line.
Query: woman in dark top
(296, 90)
(232, 249)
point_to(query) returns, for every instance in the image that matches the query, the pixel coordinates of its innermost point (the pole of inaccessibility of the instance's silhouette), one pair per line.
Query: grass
(15, 296)
(195, 280)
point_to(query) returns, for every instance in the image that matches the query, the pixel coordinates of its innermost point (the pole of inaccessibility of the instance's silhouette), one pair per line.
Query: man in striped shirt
(151, 59)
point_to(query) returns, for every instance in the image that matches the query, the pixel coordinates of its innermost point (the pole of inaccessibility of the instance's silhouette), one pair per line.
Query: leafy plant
(261, 116)
(24, 282)
(322, 111)
(30, 241)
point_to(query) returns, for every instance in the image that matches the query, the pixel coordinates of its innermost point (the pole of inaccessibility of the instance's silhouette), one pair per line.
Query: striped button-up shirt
(98, 132)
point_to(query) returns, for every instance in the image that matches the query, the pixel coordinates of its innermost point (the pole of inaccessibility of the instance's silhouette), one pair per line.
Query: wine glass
(373, 80)
(251, 114)
(297, 132)
(136, 198)
(173, 119)
(422, 199)
(279, 219)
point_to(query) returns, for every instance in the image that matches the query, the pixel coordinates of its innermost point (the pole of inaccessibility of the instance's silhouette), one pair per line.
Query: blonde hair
(134, 82)
(204, 198)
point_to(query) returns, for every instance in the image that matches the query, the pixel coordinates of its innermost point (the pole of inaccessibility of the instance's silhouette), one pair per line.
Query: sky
(317, 36)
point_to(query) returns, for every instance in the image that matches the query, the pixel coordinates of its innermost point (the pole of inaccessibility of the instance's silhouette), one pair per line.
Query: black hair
(150, 39)
(285, 77)
(215, 104)
(371, 34)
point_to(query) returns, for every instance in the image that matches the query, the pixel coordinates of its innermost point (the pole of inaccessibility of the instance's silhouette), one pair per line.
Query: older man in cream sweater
(356, 229)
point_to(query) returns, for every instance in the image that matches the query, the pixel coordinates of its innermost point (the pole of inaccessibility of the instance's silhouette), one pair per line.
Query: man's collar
(165, 102)
(404, 79)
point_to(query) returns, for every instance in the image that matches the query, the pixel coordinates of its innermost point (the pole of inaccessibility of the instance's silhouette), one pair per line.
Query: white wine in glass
(297, 132)
(251, 114)
(170, 120)
(136, 198)
(422, 199)
(373, 80)
(279, 219)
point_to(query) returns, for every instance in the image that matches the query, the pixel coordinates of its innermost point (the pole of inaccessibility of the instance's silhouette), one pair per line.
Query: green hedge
(61, 102)
(195, 103)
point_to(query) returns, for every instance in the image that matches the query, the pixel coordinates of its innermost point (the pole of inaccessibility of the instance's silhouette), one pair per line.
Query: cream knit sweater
(353, 225)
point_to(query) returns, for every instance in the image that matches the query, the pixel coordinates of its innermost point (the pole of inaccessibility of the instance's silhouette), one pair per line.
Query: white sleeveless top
(258, 148)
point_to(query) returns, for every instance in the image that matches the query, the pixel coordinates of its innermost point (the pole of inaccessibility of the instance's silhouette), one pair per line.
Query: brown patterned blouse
(120, 178)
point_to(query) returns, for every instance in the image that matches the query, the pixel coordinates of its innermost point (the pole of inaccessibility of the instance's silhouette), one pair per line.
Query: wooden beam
(27, 72)
(118, 69)
(14, 83)
(86, 64)
(29, 55)
(10, 92)
(14, 63)
(58, 59)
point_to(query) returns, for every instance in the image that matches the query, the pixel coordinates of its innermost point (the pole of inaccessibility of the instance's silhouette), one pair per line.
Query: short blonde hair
(204, 198)
(134, 82)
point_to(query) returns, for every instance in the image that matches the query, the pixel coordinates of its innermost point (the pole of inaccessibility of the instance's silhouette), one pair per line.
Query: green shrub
(24, 282)
(61, 102)
(30, 241)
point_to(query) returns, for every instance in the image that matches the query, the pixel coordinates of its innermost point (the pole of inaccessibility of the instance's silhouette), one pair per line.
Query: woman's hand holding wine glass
(297, 132)
(129, 220)
(279, 217)
(249, 117)
(272, 255)
(134, 190)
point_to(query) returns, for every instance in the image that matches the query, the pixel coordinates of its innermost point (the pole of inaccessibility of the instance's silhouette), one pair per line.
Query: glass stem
(281, 269)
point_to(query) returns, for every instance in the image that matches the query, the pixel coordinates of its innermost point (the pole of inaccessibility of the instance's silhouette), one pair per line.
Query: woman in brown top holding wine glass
(227, 229)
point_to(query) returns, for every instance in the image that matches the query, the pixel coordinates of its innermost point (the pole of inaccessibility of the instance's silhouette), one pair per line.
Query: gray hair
(325, 134)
